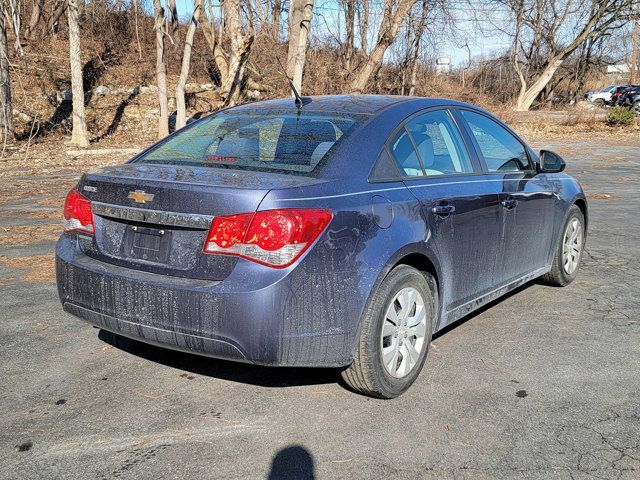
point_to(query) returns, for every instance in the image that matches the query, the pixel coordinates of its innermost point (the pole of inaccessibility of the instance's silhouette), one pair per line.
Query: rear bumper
(157, 336)
(278, 324)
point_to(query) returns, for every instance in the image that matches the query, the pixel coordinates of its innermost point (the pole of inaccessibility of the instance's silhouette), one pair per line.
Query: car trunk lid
(155, 217)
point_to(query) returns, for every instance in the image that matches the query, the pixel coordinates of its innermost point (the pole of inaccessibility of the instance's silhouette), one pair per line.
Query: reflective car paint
(309, 314)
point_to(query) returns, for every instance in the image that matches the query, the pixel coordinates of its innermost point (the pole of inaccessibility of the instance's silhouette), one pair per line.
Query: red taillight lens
(272, 237)
(78, 216)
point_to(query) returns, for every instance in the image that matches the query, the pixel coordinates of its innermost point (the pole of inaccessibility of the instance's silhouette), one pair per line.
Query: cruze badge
(140, 196)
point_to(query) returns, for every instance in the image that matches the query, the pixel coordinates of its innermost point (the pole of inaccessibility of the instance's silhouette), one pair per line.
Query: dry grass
(32, 269)
(23, 235)
(557, 124)
(31, 214)
(599, 196)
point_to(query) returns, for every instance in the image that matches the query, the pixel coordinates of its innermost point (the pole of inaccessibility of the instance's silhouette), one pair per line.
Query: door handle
(509, 203)
(443, 210)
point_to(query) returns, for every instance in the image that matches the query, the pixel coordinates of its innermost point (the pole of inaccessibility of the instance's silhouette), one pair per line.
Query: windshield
(284, 142)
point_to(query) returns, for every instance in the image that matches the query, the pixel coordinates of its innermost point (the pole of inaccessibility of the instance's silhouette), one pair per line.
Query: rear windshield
(284, 142)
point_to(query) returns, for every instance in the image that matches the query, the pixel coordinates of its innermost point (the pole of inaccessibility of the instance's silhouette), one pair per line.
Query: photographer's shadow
(293, 462)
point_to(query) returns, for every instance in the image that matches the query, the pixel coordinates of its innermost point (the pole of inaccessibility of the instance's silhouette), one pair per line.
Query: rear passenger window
(439, 145)
(405, 155)
(502, 151)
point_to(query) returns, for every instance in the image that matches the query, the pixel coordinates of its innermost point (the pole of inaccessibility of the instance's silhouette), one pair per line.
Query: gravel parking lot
(542, 384)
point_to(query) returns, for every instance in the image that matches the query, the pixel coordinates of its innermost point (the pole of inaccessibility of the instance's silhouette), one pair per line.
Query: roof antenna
(299, 101)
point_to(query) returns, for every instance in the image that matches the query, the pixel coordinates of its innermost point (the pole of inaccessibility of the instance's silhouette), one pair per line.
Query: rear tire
(395, 334)
(566, 261)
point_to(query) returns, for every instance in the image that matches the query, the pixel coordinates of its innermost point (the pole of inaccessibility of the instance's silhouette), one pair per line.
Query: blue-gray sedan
(342, 231)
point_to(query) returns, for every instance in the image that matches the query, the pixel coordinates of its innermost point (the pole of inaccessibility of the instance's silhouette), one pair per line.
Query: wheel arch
(581, 203)
(418, 257)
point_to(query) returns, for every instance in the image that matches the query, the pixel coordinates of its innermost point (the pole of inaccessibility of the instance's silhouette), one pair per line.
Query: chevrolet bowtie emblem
(140, 196)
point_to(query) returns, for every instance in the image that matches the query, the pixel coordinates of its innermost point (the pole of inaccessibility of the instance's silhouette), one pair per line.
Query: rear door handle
(509, 203)
(443, 210)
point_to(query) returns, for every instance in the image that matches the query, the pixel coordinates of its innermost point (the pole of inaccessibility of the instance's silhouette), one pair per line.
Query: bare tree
(348, 48)
(213, 36)
(232, 63)
(547, 32)
(36, 15)
(363, 14)
(135, 20)
(173, 19)
(161, 69)
(13, 14)
(277, 13)
(300, 13)
(58, 10)
(394, 13)
(6, 110)
(79, 134)
(181, 114)
(635, 50)
(416, 25)
(240, 48)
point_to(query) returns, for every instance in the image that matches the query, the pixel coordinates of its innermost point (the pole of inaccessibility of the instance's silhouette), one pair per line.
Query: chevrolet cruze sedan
(340, 231)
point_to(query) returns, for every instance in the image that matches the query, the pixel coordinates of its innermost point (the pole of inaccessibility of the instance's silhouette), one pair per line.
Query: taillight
(275, 238)
(78, 216)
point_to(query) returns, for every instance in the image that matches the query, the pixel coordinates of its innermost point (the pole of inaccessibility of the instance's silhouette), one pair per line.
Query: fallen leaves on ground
(32, 268)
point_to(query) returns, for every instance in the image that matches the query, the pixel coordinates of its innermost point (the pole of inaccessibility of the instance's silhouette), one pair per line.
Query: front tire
(566, 260)
(395, 335)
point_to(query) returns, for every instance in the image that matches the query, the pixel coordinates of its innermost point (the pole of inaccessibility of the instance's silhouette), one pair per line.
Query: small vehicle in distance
(628, 94)
(635, 103)
(339, 231)
(601, 97)
(616, 94)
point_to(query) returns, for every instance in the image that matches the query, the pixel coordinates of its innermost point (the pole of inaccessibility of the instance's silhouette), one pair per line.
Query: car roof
(356, 104)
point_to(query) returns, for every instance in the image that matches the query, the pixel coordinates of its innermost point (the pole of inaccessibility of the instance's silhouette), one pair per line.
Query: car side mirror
(550, 162)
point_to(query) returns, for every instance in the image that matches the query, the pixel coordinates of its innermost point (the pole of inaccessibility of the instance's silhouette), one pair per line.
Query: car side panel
(528, 228)
(329, 289)
(467, 242)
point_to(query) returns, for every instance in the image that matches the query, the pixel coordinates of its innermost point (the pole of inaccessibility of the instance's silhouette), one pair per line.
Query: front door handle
(443, 210)
(509, 203)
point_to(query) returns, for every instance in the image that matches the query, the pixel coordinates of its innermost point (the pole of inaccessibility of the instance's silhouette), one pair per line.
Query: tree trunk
(348, 48)
(173, 11)
(417, 39)
(13, 15)
(135, 20)
(240, 48)
(515, 54)
(181, 117)
(36, 15)
(635, 50)
(6, 110)
(529, 95)
(277, 12)
(300, 13)
(79, 134)
(364, 27)
(58, 10)
(386, 35)
(161, 72)
(215, 43)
